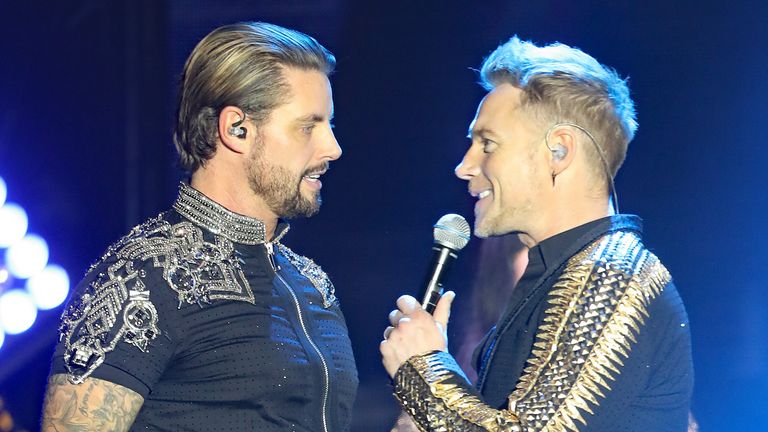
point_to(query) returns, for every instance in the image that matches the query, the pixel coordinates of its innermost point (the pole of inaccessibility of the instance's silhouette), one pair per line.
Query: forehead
(306, 80)
(310, 90)
(500, 105)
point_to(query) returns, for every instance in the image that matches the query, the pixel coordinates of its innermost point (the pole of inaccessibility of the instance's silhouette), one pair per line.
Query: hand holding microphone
(419, 328)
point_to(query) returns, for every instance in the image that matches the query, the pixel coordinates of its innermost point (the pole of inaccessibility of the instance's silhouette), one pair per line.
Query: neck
(230, 189)
(569, 214)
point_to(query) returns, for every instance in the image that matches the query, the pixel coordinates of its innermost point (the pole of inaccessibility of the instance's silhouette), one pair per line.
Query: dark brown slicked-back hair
(563, 84)
(238, 65)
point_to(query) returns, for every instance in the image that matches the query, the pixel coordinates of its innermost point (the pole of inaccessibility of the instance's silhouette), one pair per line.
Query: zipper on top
(326, 373)
(271, 256)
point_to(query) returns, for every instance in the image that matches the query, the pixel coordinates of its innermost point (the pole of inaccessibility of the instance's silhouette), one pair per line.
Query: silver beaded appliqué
(116, 305)
(208, 214)
(118, 298)
(313, 272)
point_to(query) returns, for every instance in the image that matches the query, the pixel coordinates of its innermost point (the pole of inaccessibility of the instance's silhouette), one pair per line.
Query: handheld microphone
(451, 234)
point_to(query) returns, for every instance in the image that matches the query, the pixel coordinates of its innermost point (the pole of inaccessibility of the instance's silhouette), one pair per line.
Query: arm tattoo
(94, 405)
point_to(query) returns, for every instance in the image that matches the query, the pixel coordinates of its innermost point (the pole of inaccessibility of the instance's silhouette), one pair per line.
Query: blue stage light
(13, 224)
(17, 312)
(49, 288)
(27, 256)
(3, 191)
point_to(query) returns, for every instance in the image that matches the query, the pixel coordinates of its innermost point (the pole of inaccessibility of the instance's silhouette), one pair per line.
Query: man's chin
(485, 227)
(312, 204)
(482, 230)
(304, 209)
(311, 211)
(484, 222)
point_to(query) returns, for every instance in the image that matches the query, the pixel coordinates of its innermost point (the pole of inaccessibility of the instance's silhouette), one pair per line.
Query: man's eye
(307, 130)
(488, 145)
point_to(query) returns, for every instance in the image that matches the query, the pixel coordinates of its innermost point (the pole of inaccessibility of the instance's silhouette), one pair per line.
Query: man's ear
(561, 141)
(232, 132)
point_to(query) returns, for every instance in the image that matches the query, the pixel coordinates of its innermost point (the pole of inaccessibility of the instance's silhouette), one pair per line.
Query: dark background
(87, 93)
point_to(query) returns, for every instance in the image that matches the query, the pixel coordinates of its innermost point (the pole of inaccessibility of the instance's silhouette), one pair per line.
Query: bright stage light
(49, 288)
(13, 224)
(27, 257)
(3, 191)
(17, 312)
(2, 337)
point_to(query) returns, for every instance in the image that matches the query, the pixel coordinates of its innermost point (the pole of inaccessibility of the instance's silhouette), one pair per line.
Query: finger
(395, 316)
(384, 348)
(388, 358)
(407, 304)
(443, 309)
(387, 331)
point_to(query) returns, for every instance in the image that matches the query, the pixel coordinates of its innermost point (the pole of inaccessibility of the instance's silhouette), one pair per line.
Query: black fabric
(236, 366)
(654, 387)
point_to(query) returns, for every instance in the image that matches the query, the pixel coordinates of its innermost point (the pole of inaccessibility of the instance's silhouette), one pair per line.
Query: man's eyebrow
(482, 132)
(312, 118)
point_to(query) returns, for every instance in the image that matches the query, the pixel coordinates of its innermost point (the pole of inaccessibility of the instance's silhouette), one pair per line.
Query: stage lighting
(27, 257)
(3, 191)
(49, 288)
(2, 337)
(17, 312)
(13, 224)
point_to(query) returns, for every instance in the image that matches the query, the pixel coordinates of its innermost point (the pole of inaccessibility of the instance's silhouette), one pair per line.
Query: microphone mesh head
(452, 231)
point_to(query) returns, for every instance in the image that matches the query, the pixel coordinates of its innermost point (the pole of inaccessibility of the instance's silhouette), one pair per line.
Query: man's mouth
(480, 194)
(313, 177)
(314, 173)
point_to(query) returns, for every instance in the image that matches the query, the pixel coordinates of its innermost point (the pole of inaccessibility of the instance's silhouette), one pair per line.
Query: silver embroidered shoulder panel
(313, 272)
(116, 305)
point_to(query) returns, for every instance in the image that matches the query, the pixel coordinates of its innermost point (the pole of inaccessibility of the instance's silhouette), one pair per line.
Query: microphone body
(451, 234)
(442, 258)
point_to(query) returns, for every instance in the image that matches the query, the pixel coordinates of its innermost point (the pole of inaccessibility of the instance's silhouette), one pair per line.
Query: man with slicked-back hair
(202, 319)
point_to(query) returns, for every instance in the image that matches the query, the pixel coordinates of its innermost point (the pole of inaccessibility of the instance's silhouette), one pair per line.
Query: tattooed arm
(94, 405)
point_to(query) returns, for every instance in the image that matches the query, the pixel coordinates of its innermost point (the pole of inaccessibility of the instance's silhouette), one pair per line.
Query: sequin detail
(210, 215)
(313, 272)
(118, 299)
(116, 305)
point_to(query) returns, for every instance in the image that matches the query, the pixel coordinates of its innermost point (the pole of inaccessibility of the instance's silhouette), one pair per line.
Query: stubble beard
(487, 222)
(485, 227)
(280, 188)
(499, 222)
(503, 220)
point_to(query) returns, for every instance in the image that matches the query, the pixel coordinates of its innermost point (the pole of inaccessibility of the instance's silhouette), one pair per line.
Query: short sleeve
(117, 326)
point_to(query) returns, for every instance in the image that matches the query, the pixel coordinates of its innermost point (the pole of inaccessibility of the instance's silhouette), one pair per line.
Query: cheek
(290, 159)
(514, 180)
(503, 174)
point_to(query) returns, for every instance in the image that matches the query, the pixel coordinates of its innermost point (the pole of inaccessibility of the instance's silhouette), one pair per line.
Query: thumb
(443, 309)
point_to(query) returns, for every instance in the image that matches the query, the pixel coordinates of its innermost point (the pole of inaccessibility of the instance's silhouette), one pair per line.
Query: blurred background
(87, 95)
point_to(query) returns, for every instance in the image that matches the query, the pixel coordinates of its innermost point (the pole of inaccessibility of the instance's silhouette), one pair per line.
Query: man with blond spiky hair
(595, 336)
